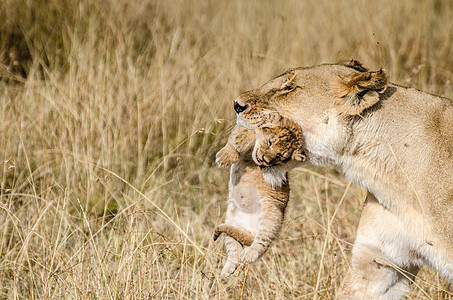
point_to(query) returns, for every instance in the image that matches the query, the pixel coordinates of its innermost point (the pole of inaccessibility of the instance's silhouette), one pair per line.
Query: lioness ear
(359, 91)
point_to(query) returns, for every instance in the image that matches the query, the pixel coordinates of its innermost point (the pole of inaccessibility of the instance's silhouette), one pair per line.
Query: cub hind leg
(233, 249)
(269, 226)
(234, 237)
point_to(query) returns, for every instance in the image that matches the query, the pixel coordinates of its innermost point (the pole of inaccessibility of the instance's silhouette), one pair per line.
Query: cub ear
(359, 91)
(299, 156)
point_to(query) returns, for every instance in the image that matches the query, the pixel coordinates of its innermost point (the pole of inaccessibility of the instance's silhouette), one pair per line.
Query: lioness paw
(251, 254)
(226, 157)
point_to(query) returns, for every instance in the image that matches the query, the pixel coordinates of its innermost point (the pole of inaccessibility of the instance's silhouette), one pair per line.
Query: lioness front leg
(374, 273)
(373, 276)
(269, 227)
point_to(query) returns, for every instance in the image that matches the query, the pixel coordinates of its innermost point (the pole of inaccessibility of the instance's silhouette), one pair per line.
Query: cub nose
(239, 108)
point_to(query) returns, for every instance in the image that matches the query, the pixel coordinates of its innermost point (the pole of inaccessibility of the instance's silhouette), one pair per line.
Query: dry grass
(111, 115)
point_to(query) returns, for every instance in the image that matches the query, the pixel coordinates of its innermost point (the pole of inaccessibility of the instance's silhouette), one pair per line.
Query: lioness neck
(401, 147)
(406, 158)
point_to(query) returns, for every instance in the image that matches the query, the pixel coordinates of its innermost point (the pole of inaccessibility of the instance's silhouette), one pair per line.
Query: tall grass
(111, 113)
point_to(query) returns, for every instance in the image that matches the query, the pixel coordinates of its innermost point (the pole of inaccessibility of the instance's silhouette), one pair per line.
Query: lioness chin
(394, 141)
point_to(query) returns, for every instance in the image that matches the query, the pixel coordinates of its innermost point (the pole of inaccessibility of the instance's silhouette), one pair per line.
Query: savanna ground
(112, 112)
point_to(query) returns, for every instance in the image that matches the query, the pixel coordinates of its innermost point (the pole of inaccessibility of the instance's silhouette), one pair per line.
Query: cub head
(279, 144)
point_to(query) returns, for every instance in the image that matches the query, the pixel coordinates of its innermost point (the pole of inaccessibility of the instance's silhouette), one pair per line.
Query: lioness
(396, 142)
(255, 207)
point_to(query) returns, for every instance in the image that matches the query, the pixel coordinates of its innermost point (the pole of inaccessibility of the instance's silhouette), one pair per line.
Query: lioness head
(278, 145)
(257, 108)
(320, 99)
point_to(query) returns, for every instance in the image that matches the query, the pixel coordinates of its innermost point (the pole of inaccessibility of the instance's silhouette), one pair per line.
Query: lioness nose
(239, 108)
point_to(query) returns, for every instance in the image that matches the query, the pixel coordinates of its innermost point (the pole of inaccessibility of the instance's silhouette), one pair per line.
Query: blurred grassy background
(111, 115)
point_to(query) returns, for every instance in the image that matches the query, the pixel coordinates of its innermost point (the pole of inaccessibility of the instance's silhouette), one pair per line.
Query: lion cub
(258, 188)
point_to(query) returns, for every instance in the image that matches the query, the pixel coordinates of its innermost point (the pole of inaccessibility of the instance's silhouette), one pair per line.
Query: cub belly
(245, 196)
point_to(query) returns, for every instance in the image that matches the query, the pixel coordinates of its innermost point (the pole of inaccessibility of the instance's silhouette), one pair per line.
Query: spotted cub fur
(255, 207)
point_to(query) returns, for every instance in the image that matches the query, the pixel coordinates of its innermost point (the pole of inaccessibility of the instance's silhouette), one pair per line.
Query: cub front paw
(250, 254)
(226, 157)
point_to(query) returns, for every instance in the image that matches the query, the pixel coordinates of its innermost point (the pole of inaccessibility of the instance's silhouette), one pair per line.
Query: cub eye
(269, 143)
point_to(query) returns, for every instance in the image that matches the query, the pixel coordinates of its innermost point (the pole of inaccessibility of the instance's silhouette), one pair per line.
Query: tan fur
(241, 236)
(255, 208)
(356, 65)
(279, 144)
(359, 91)
(394, 141)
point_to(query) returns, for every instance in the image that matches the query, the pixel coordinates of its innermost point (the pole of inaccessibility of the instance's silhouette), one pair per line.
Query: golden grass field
(111, 113)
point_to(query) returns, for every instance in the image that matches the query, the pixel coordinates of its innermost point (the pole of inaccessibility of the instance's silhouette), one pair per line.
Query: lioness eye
(269, 142)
